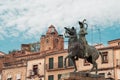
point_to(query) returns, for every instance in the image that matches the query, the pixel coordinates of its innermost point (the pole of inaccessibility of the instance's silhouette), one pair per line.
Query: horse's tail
(101, 56)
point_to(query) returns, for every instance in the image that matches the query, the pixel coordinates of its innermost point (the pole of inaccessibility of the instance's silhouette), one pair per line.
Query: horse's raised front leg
(65, 61)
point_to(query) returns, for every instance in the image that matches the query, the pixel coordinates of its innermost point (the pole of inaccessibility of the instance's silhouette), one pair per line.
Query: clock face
(52, 30)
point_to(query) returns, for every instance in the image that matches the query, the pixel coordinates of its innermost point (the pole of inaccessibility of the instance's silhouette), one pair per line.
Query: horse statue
(76, 50)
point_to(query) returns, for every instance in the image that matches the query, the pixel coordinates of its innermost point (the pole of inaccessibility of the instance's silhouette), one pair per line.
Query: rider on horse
(78, 47)
(82, 34)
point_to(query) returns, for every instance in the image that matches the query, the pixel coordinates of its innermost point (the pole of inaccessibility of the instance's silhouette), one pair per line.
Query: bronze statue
(82, 34)
(76, 49)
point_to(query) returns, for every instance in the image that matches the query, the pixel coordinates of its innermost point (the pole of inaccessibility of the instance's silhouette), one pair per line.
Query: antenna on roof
(91, 35)
(99, 35)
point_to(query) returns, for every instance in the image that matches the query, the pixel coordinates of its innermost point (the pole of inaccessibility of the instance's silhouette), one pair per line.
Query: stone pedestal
(81, 76)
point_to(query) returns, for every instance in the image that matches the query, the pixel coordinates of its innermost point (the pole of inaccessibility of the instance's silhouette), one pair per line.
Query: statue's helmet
(81, 24)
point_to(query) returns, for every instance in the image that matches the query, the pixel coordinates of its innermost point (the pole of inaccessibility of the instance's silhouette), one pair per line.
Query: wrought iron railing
(57, 66)
(33, 74)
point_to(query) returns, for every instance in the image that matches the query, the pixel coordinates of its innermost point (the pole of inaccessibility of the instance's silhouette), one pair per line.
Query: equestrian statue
(79, 48)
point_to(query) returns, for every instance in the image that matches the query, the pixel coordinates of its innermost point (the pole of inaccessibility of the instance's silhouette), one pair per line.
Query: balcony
(118, 63)
(57, 66)
(34, 74)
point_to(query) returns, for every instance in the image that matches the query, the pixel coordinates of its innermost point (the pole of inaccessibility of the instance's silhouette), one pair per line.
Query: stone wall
(13, 73)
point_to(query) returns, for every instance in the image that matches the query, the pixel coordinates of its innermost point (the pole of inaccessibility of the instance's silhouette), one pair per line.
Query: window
(50, 77)
(118, 62)
(47, 41)
(86, 63)
(60, 62)
(50, 63)
(59, 76)
(118, 43)
(18, 77)
(35, 69)
(56, 43)
(0, 77)
(9, 77)
(105, 57)
(70, 62)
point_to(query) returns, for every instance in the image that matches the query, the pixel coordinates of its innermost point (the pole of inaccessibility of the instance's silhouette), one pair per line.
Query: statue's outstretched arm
(86, 25)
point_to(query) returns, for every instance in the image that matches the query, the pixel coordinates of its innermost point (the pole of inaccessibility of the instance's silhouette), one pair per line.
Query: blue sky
(24, 21)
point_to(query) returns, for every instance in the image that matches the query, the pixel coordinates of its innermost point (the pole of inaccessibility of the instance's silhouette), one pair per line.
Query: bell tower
(52, 40)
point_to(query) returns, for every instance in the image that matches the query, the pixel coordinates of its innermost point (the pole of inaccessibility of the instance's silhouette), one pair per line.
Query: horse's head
(70, 31)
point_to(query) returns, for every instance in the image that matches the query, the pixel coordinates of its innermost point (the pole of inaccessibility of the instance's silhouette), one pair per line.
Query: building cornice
(56, 52)
(25, 66)
(109, 47)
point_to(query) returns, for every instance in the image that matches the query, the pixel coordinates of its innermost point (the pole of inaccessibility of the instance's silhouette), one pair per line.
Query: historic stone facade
(35, 69)
(52, 40)
(2, 55)
(1, 63)
(14, 70)
(110, 67)
(47, 63)
(111, 64)
(54, 65)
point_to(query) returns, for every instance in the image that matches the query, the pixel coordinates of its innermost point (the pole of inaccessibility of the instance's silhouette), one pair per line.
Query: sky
(24, 21)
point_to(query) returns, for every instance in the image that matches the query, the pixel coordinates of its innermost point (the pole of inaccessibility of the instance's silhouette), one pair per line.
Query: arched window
(56, 43)
(47, 41)
(56, 40)
(118, 43)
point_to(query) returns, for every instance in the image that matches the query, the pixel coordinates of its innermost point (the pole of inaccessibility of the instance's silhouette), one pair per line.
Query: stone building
(52, 40)
(13, 69)
(2, 54)
(47, 61)
(14, 64)
(53, 44)
(111, 62)
(35, 67)
(54, 58)
(54, 65)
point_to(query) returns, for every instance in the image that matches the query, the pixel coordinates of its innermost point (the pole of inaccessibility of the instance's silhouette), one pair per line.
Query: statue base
(81, 76)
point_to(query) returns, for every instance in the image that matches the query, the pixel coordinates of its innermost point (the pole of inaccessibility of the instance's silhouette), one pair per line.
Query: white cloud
(32, 17)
